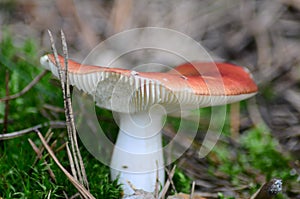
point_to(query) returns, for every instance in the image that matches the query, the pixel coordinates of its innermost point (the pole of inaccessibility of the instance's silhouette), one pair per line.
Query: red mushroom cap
(191, 84)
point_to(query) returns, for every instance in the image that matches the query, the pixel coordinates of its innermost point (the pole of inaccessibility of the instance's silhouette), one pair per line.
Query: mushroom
(142, 99)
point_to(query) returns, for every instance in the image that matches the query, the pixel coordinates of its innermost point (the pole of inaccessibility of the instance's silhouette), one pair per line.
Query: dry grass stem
(170, 177)
(52, 124)
(48, 136)
(83, 191)
(75, 158)
(38, 153)
(193, 190)
(71, 115)
(65, 194)
(73, 169)
(6, 108)
(53, 108)
(61, 147)
(64, 85)
(168, 183)
(53, 145)
(27, 88)
(76, 195)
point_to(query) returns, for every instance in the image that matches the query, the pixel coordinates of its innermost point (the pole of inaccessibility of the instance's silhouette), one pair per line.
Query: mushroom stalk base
(138, 153)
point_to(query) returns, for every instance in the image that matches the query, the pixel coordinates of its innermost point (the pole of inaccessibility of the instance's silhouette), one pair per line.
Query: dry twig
(193, 190)
(53, 108)
(83, 191)
(38, 153)
(63, 86)
(71, 115)
(76, 156)
(26, 89)
(61, 147)
(73, 169)
(48, 136)
(51, 124)
(167, 184)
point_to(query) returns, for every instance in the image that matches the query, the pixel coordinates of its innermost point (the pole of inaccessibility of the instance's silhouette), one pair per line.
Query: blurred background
(263, 134)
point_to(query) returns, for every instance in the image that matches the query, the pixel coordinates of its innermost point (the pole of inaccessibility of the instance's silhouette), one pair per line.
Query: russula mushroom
(142, 99)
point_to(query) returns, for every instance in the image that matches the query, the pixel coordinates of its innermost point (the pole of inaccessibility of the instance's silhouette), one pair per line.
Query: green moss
(263, 154)
(258, 151)
(18, 178)
(181, 181)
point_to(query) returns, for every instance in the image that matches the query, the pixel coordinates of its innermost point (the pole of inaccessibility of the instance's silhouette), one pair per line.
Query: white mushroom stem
(138, 151)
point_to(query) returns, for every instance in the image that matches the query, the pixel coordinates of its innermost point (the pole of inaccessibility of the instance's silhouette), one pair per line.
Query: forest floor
(261, 136)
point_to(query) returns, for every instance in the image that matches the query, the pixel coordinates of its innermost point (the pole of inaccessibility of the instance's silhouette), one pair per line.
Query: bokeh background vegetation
(261, 137)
